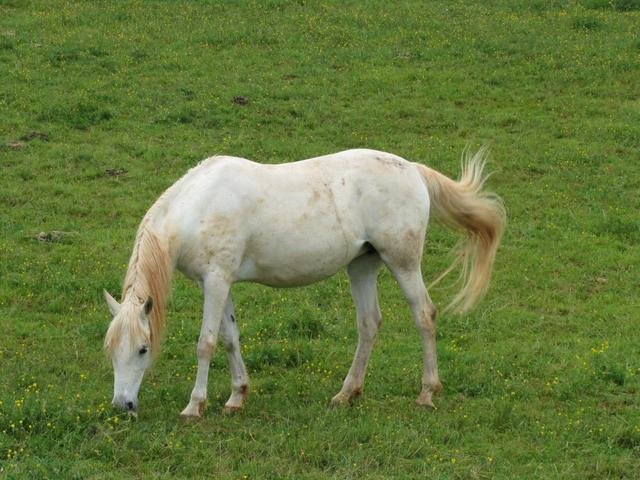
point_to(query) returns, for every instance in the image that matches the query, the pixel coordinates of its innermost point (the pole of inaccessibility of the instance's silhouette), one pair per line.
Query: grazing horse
(233, 220)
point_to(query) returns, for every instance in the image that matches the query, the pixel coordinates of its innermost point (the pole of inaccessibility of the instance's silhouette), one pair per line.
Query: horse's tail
(464, 206)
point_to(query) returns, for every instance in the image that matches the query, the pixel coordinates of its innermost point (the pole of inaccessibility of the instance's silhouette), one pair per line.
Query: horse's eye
(143, 350)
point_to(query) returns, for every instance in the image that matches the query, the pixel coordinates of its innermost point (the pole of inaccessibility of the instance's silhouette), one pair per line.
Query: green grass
(542, 380)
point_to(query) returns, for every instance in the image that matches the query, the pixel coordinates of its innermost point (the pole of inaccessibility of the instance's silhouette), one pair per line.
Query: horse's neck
(150, 265)
(149, 276)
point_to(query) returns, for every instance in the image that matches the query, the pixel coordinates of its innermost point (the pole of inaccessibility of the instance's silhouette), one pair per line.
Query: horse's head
(128, 343)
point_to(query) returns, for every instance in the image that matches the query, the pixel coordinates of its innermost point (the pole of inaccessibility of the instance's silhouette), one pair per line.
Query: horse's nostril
(130, 406)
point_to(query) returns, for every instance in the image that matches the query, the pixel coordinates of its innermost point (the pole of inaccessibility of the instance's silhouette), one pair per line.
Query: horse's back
(353, 178)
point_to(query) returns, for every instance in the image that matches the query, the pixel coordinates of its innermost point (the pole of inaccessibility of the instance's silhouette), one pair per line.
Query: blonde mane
(148, 275)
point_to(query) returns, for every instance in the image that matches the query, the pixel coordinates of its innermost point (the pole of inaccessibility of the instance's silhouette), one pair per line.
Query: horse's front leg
(216, 291)
(231, 342)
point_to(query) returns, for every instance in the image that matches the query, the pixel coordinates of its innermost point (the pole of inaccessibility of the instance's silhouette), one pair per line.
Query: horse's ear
(114, 306)
(148, 306)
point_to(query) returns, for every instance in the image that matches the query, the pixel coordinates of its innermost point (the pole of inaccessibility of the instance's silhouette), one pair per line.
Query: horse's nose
(121, 401)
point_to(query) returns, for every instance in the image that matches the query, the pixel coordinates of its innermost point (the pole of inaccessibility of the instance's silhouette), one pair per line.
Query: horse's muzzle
(130, 405)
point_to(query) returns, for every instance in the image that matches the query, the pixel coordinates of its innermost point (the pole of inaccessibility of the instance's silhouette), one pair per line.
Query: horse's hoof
(193, 412)
(338, 401)
(427, 405)
(190, 418)
(424, 400)
(230, 409)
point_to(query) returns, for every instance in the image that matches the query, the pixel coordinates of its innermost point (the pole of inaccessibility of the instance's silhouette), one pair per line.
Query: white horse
(232, 220)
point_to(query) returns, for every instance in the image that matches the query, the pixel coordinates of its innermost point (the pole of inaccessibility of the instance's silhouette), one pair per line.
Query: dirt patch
(16, 145)
(53, 236)
(116, 172)
(22, 141)
(33, 135)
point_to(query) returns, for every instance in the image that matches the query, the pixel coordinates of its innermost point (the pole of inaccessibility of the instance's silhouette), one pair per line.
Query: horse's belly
(297, 261)
(283, 277)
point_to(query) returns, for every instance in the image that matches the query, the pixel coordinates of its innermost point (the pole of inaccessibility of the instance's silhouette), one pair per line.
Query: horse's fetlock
(242, 389)
(432, 386)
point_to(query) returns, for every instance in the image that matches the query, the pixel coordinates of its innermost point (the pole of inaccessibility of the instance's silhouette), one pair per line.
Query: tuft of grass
(306, 324)
(587, 22)
(618, 5)
(613, 373)
(79, 115)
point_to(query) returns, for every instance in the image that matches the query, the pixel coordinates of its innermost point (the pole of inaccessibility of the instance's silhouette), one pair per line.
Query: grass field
(105, 104)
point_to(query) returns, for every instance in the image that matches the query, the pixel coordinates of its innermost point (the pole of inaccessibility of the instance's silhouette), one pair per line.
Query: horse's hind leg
(363, 273)
(231, 342)
(424, 314)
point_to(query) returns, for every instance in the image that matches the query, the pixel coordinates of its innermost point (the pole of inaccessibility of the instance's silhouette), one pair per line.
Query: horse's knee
(206, 346)
(230, 340)
(229, 343)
